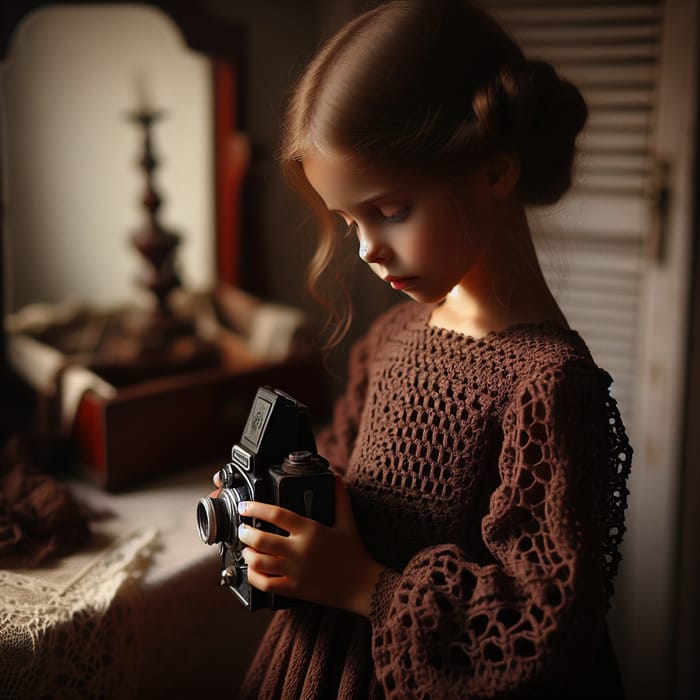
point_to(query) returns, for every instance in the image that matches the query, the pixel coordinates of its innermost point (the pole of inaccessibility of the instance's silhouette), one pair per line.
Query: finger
(267, 542)
(275, 515)
(279, 585)
(263, 563)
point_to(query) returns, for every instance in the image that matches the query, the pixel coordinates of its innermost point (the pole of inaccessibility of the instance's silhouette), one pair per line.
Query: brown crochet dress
(489, 476)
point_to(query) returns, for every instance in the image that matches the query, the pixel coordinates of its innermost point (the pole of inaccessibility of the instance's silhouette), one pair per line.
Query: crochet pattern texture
(489, 475)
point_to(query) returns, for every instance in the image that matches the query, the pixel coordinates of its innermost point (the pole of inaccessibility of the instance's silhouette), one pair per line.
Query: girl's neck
(506, 287)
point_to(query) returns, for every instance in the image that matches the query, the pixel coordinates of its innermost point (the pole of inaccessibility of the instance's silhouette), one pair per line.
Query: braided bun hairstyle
(528, 110)
(435, 85)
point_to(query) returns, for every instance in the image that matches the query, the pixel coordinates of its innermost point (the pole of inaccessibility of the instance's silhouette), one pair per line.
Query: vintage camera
(274, 462)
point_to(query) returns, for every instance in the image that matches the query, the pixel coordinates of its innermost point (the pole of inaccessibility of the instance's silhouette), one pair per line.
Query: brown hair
(430, 84)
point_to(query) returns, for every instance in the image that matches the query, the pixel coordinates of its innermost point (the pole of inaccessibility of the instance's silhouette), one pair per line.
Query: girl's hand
(316, 563)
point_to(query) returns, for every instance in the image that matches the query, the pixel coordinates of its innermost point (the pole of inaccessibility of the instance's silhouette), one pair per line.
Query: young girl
(483, 461)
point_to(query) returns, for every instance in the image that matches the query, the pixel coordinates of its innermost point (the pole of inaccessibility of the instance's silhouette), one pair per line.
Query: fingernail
(242, 530)
(242, 507)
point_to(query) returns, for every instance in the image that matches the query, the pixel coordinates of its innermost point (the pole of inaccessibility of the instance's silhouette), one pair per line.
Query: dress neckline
(548, 327)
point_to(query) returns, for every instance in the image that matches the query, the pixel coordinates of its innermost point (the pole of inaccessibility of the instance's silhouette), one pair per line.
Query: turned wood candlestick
(156, 244)
(157, 339)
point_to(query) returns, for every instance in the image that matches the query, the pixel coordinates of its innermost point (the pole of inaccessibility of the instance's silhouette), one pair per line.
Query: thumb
(344, 519)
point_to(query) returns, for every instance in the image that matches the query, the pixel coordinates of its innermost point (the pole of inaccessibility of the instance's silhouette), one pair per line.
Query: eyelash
(397, 218)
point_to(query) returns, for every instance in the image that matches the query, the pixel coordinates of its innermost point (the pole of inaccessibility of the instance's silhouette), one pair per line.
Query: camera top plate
(286, 421)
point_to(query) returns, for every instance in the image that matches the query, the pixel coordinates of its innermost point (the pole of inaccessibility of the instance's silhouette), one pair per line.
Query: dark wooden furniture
(148, 428)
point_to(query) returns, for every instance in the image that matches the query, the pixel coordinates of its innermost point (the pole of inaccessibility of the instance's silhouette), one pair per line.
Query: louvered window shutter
(593, 243)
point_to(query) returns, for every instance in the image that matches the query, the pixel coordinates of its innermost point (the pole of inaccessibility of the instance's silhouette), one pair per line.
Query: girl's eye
(396, 217)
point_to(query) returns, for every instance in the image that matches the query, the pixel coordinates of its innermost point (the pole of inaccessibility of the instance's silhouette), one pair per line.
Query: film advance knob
(304, 462)
(300, 457)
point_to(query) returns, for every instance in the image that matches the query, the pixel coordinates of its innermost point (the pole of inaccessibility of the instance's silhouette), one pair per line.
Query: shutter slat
(541, 36)
(600, 55)
(601, 214)
(577, 14)
(604, 262)
(615, 124)
(614, 75)
(623, 100)
(629, 142)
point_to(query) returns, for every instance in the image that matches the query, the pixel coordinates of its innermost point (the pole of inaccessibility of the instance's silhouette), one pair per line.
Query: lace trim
(620, 461)
(78, 637)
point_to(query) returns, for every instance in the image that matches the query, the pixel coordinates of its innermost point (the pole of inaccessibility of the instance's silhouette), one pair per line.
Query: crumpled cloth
(39, 518)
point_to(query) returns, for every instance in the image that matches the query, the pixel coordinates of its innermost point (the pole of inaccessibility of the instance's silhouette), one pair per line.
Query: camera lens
(212, 520)
(218, 518)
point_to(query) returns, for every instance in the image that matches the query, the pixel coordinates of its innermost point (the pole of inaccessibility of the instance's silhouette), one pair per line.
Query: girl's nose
(373, 251)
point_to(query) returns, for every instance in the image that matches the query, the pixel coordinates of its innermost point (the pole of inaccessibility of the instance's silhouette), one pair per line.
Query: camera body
(275, 462)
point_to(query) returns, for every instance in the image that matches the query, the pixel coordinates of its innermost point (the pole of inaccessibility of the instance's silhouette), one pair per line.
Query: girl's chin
(424, 297)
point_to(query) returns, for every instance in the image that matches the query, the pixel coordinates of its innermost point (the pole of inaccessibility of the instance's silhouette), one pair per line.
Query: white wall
(71, 182)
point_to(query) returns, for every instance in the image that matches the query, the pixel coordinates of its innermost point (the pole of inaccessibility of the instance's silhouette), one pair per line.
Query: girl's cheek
(423, 245)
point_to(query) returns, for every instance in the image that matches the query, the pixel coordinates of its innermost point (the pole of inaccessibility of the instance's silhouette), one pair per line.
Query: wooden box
(123, 433)
(152, 428)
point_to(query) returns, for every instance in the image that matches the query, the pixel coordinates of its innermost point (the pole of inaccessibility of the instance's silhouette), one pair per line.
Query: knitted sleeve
(335, 441)
(528, 620)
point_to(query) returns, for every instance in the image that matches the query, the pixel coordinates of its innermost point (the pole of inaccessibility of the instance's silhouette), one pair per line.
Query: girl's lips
(399, 283)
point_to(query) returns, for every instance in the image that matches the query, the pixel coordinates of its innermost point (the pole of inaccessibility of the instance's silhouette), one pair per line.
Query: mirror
(71, 181)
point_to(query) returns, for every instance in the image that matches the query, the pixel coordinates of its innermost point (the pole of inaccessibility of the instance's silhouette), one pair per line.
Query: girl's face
(420, 235)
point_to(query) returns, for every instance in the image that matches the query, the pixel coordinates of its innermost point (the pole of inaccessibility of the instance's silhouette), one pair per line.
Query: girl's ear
(502, 172)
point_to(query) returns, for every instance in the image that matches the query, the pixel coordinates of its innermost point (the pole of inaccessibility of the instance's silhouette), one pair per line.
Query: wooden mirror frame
(224, 43)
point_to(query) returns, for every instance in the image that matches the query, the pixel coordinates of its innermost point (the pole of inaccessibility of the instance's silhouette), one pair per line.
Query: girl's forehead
(345, 181)
(342, 162)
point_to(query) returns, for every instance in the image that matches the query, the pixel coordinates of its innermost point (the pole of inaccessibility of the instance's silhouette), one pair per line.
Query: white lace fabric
(73, 631)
